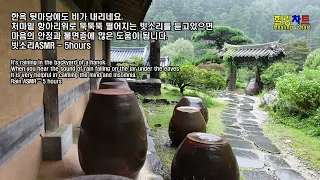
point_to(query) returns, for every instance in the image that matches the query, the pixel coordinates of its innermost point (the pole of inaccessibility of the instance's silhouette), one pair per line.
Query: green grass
(303, 146)
(161, 114)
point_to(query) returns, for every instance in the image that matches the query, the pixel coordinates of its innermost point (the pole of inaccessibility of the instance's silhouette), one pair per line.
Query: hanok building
(254, 55)
(32, 116)
(121, 54)
(164, 61)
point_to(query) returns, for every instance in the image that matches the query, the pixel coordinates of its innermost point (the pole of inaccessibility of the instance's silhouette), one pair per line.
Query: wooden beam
(50, 95)
(155, 58)
(233, 78)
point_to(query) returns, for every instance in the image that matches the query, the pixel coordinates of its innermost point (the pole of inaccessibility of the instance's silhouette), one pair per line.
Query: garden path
(255, 153)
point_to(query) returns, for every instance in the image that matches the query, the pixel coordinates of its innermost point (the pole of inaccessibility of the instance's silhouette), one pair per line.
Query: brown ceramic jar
(204, 156)
(194, 102)
(185, 120)
(114, 85)
(100, 177)
(113, 135)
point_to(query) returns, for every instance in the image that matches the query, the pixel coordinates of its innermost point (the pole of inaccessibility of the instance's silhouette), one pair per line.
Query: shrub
(134, 61)
(210, 80)
(313, 60)
(213, 66)
(245, 74)
(301, 91)
(183, 78)
(269, 77)
(240, 85)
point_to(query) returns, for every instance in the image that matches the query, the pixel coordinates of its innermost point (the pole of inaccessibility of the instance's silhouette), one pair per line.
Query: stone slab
(229, 137)
(264, 143)
(249, 125)
(227, 115)
(245, 154)
(234, 126)
(56, 144)
(233, 119)
(276, 162)
(252, 128)
(232, 131)
(232, 105)
(230, 108)
(228, 123)
(249, 163)
(254, 133)
(256, 175)
(240, 144)
(229, 111)
(246, 107)
(247, 117)
(288, 174)
(249, 122)
(246, 113)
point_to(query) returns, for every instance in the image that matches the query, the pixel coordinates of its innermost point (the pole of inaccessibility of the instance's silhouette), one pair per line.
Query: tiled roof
(120, 54)
(164, 61)
(271, 49)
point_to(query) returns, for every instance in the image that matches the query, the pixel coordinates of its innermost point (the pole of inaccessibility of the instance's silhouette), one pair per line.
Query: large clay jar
(194, 102)
(100, 177)
(114, 85)
(185, 120)
(113, 135)
(109, 79)
(204, 156)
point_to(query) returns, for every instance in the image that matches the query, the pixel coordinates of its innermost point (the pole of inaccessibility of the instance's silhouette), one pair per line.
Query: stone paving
(254, 152)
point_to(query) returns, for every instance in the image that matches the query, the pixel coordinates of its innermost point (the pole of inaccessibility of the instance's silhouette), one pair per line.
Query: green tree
(183, 78)
(222, 34)
(134, 61)
(297, 52)
(313, 60)
(276, 70)
(179, 47)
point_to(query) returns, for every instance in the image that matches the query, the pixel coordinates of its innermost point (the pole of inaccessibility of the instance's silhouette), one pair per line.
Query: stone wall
(146, 86)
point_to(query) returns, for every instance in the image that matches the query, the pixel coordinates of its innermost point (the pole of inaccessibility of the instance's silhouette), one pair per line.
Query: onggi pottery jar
(114, 85)
(109, 79)
(185, 120)
(194, 102)
(113, 135)
(204, 156)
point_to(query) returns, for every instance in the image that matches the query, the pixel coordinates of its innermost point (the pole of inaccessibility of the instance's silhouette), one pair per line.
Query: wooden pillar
(93, 81)
(233, 77)
(155, 58)
(50, 95)
(106, 44)
(107, 50)
(257, 77)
